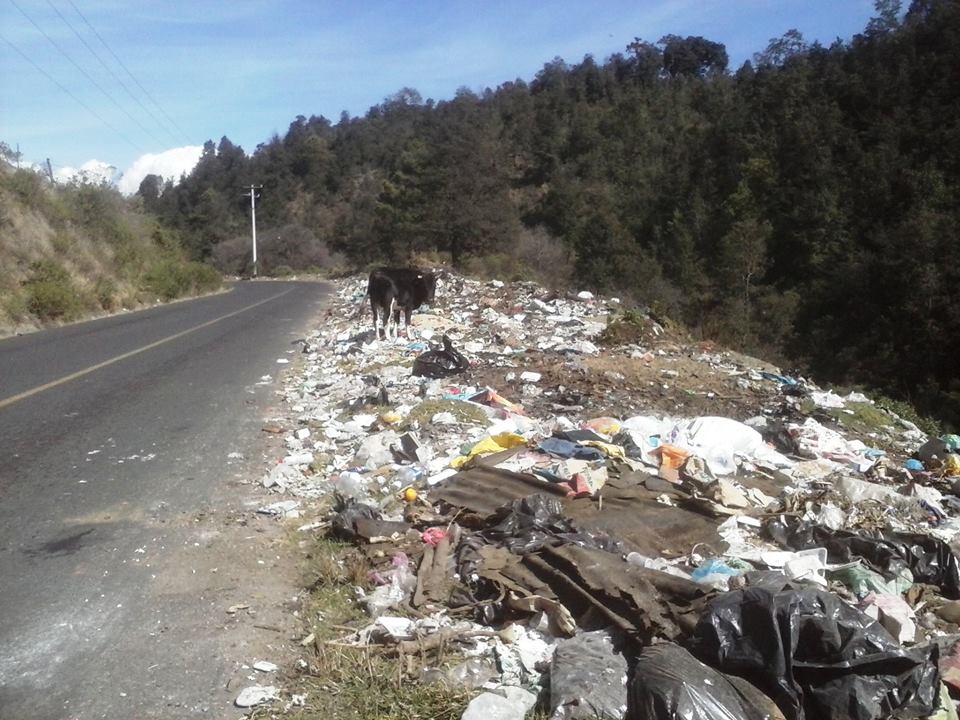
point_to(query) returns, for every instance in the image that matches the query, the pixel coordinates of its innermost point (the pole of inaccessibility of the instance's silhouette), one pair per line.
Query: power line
(106, 67)
(75, 98)
(127, 70)
(86, 74)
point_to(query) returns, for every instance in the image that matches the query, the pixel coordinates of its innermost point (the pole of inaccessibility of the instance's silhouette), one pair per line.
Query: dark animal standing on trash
(394, 289)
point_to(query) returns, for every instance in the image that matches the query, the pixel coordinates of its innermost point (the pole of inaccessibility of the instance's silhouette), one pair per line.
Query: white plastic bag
(401, 583)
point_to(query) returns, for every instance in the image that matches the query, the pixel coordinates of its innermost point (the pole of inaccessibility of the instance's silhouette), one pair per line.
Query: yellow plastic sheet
(951, 466)
(489, 445)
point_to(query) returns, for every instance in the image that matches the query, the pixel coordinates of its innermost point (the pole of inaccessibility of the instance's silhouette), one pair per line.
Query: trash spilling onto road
(568, 505)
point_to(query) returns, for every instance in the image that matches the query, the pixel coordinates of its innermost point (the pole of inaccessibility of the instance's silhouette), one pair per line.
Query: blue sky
(247, 68)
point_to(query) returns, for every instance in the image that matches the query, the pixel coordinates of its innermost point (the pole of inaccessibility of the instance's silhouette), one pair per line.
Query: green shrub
(130, 259)
(204, 278)
(51, 293)
(27, 185)
(497, 266)
(634, 317)
(107, 295)
(282, 271)
(14, 306)
(908, 412)
(62, 243)
(167, 280)
(171, 279)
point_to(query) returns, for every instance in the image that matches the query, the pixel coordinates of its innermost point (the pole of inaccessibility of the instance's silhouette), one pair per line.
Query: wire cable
(87, 75)
(113, 74)
(74, 97)
(103, 42)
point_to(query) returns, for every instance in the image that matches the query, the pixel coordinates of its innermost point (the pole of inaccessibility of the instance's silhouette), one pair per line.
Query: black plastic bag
(671, 684)
(775, 433)
(587, 677)
(579, 436)
(346, 511)
(527, 524)
(533, 522)
(625, 440)
(439, 363)
(930, 560)
(816, 656)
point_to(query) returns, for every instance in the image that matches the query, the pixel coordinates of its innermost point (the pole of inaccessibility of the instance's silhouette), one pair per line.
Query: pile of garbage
(528, 481)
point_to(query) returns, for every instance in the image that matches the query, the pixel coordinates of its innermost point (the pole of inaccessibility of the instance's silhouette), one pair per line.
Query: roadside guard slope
(575, 508)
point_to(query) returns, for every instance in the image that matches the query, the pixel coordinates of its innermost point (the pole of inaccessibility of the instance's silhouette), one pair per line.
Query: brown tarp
(624, 509)
(481, 489)
(597, 587)
(644, 603)
(435, 574)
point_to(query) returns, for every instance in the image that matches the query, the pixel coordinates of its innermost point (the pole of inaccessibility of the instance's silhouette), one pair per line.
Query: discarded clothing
(600, 589)
(567, 449)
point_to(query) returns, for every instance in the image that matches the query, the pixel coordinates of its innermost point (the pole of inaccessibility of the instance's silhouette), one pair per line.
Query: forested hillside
(803, 205)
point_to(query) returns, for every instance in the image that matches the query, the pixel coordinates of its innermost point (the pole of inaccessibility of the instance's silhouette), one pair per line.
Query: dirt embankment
(77, 251)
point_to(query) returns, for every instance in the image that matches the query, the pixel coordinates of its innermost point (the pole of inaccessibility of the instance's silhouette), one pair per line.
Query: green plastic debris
(862, 580)
(947, 710)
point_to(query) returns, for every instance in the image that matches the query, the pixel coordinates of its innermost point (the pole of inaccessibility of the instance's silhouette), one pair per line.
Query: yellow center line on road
(86, 371)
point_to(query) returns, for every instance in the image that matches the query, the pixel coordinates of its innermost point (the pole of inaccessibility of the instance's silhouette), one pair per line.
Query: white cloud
(92, 171)
(169, 165)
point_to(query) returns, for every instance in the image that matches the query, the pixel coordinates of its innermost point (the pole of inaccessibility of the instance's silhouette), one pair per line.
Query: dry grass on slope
(76, 251)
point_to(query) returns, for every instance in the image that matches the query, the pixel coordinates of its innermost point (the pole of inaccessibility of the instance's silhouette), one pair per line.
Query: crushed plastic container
(351, 485)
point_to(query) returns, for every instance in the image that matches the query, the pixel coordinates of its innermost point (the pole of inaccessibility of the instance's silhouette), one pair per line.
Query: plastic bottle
(409, 475)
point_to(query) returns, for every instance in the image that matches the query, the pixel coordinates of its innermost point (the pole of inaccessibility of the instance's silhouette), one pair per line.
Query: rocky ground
(587, 482)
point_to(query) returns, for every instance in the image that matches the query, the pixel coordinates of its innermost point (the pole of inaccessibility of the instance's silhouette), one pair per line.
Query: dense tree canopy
(804, 204)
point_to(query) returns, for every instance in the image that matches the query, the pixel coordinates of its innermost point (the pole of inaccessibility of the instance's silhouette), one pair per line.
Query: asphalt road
(119, 439)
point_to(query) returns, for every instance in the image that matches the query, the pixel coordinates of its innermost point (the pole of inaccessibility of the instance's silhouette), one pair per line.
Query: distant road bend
(115, 435)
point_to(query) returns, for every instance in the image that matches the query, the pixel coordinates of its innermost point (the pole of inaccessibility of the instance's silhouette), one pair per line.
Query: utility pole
(253, 221)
